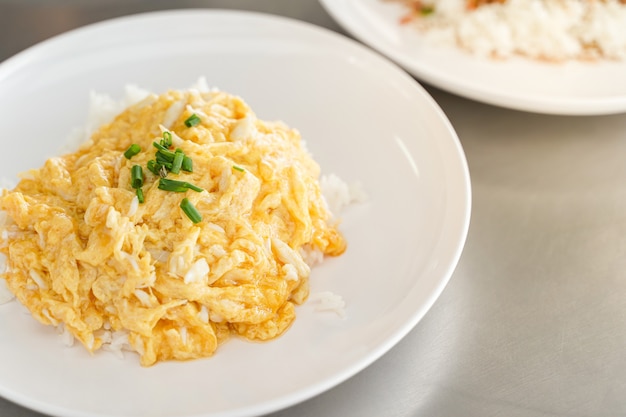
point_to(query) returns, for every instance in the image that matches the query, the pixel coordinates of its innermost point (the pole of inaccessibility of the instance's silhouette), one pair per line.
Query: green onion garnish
(427, 10)
(167, 139)
(177, 186)
(164, 160)
(153, 166)
(192, 120)
(136, 176)
(166, 153)
(172, 185)
(132, 150)
(240, 169)
(190, 210)
(178, 161)
(140, 195)
(187, 164)
(193, 187)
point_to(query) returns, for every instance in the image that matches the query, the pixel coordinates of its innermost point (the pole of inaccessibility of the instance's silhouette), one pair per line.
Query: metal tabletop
(533, 321)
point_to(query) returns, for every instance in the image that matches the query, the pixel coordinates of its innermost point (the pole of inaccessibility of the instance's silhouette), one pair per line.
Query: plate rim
(546, 105)
(25, 57)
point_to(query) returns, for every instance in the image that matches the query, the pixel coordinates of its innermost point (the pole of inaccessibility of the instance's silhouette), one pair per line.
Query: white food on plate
(552, 30)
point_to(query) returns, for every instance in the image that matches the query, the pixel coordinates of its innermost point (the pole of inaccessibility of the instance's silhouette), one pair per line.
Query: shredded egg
(87, 253)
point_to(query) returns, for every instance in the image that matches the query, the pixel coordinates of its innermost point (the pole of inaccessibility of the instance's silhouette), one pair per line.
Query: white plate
(573, 88)
(362, 118)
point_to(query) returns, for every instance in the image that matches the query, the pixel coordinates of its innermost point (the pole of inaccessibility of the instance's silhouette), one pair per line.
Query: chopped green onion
(136, 176)
(166, 156)
(140, 195)
(164, 160)
(190, 210)
(427, 10)
(178, 161)
(153, 166)
(240, 169)
(167, 139)
(177, 186)
(166, 153)
(172, 185)
(187, 164)
(192, 120)
(163, 171)
(132, 150)
(193, 187)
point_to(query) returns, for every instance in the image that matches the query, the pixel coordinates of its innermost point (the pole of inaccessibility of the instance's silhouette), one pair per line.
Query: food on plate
(184, 220)
(548, 30)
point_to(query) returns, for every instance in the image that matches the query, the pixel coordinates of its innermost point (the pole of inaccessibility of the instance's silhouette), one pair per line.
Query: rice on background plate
(550, 30)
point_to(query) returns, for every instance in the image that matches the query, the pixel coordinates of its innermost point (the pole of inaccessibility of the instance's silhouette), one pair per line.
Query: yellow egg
(85, 253)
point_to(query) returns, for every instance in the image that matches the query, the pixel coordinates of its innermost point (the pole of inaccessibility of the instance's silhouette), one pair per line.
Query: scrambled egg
(85, 254)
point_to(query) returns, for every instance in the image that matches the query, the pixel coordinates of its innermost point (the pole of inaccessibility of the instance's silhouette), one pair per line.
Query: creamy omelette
(183, 221)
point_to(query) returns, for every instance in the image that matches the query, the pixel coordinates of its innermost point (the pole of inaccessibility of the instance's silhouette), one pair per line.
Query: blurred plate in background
(571, 88)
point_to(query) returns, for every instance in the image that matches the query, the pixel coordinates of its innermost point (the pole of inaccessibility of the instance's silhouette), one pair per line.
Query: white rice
(34, 275)
(339, 194)
(66, 337)
(203, 314)
(102, 109)
(326, 301)
(117, 343)
(551, 30)
(199, 270)
(143, 297)
(134, 205)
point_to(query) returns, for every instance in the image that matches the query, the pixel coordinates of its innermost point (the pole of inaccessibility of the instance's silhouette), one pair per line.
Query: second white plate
(572, 88)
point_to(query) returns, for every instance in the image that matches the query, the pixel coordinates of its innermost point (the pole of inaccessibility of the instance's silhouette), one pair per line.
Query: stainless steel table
(533, 321)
